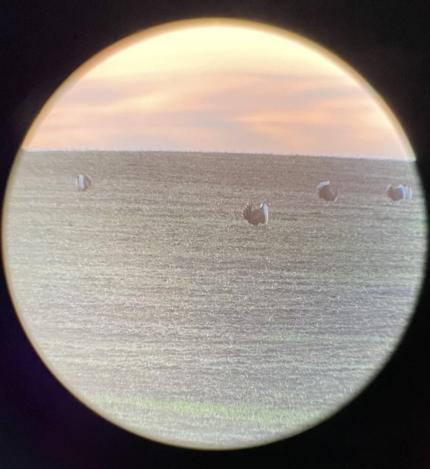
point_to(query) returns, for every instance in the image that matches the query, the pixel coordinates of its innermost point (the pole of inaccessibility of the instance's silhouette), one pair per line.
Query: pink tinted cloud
(231, 112)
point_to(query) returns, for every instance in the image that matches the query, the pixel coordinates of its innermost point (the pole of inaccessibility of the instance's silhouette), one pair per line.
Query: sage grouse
(256, 215)
(326, 191)
(399, 192)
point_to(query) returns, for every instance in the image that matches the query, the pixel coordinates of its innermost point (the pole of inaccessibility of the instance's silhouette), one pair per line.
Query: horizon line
(137, 150)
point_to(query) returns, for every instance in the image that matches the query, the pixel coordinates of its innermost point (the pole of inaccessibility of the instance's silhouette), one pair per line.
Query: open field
(156, 303)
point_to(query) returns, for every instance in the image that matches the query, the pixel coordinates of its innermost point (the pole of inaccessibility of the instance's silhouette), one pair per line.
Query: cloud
(240, 109)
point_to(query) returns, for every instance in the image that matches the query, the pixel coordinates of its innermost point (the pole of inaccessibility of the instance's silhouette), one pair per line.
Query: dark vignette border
(41, 424)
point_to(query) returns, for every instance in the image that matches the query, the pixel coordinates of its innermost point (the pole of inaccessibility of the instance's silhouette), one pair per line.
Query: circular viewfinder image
(214, 234)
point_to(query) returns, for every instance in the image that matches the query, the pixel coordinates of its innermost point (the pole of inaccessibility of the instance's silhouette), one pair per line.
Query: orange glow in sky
(219, 85)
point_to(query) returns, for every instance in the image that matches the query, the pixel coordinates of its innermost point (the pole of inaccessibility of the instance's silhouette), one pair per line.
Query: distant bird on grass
(83, 182)
(326, 191)
(256, 216)
(399, 192)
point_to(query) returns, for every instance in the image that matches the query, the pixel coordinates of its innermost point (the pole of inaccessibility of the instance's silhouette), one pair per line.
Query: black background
(41, 424)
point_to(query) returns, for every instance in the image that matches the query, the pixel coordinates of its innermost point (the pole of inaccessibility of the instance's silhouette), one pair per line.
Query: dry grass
(151, 286)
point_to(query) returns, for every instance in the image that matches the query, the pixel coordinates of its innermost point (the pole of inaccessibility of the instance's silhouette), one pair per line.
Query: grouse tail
(247, 211)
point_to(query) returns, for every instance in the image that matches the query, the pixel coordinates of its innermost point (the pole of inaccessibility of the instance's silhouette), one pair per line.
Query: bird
(255, 216)
(326, 191)
(400, 192)
(83, 182)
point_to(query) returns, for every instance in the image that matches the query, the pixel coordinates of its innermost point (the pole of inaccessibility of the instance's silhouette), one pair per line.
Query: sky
(219, 85)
